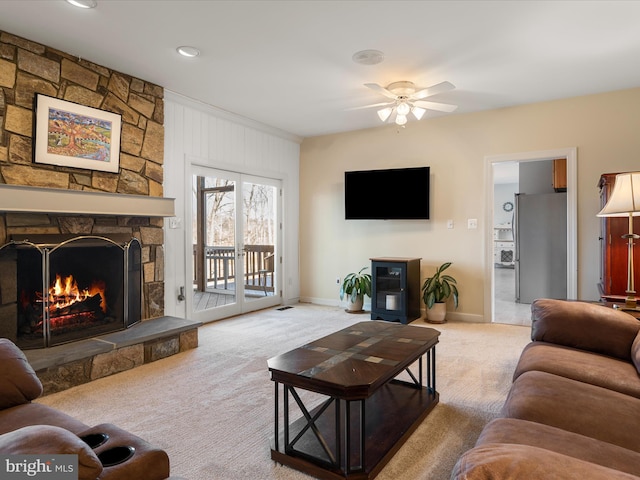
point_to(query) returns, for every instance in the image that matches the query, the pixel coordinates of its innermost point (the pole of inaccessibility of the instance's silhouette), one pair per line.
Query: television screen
(401, 193)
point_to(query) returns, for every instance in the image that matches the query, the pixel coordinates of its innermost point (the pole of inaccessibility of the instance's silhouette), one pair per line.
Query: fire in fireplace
(56, 289)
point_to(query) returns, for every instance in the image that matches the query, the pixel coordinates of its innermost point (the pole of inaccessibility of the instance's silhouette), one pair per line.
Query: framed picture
(72, 135)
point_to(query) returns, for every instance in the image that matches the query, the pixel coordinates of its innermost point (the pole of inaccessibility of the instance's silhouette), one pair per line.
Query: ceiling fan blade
(432, 90)
(439, 107)
(383, 104)
(381, 90)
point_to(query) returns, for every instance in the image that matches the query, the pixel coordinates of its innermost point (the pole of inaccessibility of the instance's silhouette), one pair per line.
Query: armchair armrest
(18, 382)
(47, 439)
(585, 326)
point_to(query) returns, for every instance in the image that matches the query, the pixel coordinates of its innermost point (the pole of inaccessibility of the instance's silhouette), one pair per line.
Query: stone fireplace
(41, 199)
(68, 288)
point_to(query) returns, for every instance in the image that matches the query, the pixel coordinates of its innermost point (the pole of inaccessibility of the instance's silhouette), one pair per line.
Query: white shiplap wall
(196, 133)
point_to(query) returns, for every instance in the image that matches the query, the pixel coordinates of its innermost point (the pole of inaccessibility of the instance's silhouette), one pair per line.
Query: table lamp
(625, 202)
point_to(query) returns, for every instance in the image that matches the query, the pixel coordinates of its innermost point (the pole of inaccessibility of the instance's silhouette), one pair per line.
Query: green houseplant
(355, 286)
(435, 292)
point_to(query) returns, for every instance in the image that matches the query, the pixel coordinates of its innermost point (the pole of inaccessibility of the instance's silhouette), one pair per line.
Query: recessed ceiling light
(186, 51)
(368, 57)
(83, 3)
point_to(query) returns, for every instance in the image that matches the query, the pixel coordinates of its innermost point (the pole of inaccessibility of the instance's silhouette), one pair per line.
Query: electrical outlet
(472, 223)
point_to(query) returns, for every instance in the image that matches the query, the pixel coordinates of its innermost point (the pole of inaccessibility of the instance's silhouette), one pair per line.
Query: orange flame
(65, 292)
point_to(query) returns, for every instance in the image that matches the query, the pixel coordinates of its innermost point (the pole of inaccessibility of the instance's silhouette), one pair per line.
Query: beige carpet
(211, 408)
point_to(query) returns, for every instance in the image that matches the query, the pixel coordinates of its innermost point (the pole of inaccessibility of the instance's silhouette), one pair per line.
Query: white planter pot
(355, 306)
(437, 313)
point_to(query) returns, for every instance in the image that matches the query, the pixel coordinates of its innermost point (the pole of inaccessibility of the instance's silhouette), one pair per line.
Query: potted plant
(435, 292)
(355, 286)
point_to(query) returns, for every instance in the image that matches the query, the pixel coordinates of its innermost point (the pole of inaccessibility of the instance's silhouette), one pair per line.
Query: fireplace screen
(55, 290)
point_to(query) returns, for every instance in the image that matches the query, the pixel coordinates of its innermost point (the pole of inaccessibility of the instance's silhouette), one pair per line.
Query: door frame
(240, 306)
(571, 154)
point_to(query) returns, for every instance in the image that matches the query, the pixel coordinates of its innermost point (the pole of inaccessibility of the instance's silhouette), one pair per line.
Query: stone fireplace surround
(63, 366)
(34, 198)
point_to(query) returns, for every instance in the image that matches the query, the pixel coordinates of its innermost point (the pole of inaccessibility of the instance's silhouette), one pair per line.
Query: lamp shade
(625, 197)
(418, 112)
(403, 109)
(401, 119)
(385, 113)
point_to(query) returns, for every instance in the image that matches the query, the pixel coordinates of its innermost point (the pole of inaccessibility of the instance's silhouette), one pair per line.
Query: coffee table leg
(363, 435)
(347, 435)
(286, 418)
(276, 438)
(431, 369)
(361, 440)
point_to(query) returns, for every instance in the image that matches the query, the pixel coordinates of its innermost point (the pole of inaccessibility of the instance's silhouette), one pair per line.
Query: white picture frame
(68, 134)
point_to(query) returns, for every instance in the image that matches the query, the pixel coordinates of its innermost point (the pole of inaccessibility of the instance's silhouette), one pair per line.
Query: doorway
(500, 253)
(235, 230)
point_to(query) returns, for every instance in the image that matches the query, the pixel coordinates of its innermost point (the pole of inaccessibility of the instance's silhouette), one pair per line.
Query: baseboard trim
(451, 315)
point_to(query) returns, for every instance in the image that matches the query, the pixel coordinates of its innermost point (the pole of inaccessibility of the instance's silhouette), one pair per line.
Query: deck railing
(220, 267)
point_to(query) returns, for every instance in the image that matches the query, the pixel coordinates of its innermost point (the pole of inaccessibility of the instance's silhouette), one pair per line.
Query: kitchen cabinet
(560, 175)
(503, 246)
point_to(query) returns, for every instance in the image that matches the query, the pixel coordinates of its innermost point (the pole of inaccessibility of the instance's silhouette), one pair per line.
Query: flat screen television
(394, 194)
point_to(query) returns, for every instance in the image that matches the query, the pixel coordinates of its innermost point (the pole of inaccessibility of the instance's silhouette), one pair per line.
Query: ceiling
(288, 64)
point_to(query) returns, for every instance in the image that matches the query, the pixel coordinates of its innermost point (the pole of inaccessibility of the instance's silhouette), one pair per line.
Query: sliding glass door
(235, 237)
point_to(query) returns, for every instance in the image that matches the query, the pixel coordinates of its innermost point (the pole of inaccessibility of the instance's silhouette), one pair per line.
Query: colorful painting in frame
(72, 135)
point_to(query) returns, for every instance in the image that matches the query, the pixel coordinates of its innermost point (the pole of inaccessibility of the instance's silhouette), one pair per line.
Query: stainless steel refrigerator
(540, 235)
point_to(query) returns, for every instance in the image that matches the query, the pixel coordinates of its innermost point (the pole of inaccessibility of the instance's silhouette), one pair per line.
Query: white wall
(198, 133)
(603, 127)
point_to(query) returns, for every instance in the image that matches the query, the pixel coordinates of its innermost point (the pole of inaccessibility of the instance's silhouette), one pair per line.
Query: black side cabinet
(395, 289)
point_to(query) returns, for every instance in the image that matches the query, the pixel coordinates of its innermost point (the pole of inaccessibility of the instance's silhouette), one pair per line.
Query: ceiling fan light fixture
(418, 112)
(385, 113)
(405, 98)
(401, 119)
(403, 109)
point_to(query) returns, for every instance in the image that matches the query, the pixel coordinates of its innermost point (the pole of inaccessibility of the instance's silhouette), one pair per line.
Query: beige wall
(603, 127)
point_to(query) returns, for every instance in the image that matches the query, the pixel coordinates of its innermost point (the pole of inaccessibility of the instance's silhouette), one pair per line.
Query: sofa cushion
(523, 432)
(576, 407)
(18, 382)
(497, 461)
(585, 326)
(635, 352)
(45, 439)
(596, 369)
(36, 413)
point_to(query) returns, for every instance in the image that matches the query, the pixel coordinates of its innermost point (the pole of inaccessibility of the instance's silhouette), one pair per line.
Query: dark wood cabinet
(614, 249)
(395, 289)
(560, 175)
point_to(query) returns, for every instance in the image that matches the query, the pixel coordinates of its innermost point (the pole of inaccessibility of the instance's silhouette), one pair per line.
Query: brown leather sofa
(105, 452)
(573, 410)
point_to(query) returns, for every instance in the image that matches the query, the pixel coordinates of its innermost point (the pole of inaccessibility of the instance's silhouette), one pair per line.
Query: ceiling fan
(407, 98)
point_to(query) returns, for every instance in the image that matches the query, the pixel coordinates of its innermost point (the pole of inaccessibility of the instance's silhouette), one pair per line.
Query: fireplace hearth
(56, 289)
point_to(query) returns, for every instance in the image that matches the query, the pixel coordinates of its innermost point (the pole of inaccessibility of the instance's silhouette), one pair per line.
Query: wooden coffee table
(360, 413)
